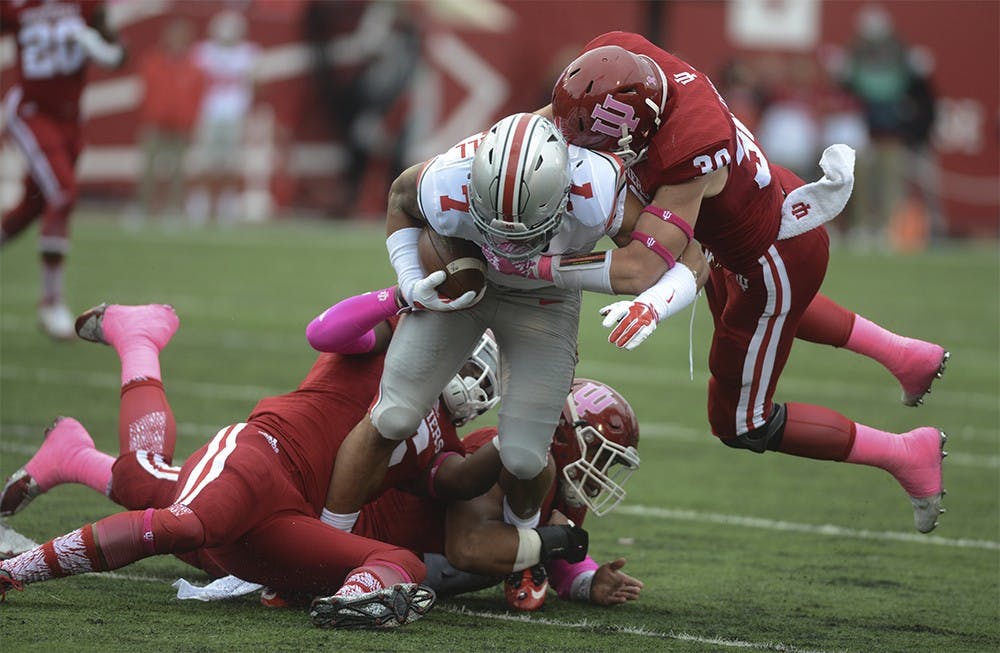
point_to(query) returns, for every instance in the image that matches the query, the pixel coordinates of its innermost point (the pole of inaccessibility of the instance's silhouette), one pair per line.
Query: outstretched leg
(915, 363)
(67, 455)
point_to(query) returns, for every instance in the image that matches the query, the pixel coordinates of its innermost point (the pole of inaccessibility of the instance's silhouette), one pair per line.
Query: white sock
(510, 518)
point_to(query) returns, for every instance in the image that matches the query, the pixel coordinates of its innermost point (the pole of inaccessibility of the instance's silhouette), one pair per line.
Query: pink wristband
(655, 246)
(545, 268)
(346, 327)
(672, 218)
(441, 457)
(562, 573)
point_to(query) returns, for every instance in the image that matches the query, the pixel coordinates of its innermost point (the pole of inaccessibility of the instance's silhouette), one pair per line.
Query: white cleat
(56, 320)
(926, 510)
(386, 608)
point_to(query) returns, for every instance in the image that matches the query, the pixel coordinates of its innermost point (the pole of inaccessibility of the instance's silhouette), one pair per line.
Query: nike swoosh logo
(671, 298)
(546, 302)
(537, 594)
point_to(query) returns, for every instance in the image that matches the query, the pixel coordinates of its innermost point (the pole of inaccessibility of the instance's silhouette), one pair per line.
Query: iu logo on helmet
(611, 115)
(800, 210)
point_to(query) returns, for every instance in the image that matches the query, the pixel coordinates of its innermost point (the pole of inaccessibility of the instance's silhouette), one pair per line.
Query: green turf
(738, 551)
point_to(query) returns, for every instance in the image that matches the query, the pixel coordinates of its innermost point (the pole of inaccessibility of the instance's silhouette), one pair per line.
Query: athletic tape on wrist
(654, 246)
(672, 218)
(405, 259)
(586, 272)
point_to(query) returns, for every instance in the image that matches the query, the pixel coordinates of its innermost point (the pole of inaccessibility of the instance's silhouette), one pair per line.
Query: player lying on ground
(515, 191)
(247, 502)
(68, 454)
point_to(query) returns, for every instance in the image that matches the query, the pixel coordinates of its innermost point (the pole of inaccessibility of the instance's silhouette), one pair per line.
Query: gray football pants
(536, 331)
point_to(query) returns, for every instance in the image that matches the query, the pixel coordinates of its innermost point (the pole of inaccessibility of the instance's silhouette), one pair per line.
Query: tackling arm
(404, 222)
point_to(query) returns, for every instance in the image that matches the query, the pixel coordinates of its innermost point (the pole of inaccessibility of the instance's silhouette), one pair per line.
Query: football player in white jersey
(537, 208)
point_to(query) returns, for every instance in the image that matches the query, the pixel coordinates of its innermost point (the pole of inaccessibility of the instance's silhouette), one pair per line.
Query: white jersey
(595, 209)
(229, 75)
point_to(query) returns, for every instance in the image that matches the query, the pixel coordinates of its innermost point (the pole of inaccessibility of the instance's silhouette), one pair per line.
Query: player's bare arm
(457, 477)
(101, 42)
(402, 210)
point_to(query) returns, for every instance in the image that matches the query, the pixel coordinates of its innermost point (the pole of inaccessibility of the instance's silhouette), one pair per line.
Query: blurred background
(317, 104)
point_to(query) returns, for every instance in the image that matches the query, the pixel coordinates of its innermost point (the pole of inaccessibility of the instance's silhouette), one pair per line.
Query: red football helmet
(595, 446)
(610, 99)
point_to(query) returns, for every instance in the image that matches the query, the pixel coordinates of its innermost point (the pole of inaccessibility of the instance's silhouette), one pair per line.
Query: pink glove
(536, 267)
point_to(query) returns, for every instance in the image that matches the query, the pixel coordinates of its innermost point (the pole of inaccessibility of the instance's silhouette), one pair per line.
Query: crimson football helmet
(476, 387)
(595, 446)
(610, 99)
(519, 185)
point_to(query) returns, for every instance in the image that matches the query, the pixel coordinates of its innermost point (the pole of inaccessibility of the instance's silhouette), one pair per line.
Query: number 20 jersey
(51, 66)
(595, 208)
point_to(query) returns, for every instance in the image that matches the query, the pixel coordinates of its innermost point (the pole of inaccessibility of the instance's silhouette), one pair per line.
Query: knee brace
(396, 422)
(763, 438)
(522, 462)
(175, 529)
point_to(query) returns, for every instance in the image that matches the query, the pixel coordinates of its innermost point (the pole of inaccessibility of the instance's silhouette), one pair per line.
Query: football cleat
(927, 509)
(935, 359)
(19, 490)
(386, 608)
(270, 598)
(111, 324)
(8, 583)
(526, 590)
(56, 321)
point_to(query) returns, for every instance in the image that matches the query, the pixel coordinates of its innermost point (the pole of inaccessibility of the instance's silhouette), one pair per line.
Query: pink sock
(68, 456)
(913, 458)
(869, 339)
(346, 327)
(140, 360)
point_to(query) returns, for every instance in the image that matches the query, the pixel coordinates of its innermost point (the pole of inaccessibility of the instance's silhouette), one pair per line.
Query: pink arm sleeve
(347, 326)
(562, 574)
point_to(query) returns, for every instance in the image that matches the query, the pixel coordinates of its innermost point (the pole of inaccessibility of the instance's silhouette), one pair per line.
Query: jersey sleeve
(597, 189)
(443, 191)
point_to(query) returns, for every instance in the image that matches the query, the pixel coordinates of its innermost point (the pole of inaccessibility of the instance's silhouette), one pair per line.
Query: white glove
(633, 322)
(424, 295)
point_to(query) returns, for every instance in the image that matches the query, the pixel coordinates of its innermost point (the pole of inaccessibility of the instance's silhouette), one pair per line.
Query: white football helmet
(519, 185)
(476, 387)
(595, 446)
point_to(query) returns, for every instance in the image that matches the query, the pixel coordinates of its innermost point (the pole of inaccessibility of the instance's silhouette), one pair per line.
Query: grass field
(737, 551)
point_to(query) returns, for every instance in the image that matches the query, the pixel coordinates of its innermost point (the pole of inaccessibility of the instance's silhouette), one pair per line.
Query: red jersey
(699, 135)
(51, 66)
(311, 422)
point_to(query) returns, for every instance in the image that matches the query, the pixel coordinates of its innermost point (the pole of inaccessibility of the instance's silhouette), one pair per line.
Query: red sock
(145, 420)
(816, 432)
(825, 322)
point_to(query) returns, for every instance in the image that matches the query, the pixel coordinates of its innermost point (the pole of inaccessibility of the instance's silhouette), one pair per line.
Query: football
(461, 259)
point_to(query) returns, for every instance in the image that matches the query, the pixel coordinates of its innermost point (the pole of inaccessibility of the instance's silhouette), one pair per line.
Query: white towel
(220, 589)
(811, 205)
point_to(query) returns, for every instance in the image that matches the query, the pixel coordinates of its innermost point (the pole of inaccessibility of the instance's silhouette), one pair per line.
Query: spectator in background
(364, 55)
(877, 69)
(173, 85)
(228, 62)
(923, 170)
(789, 128)
(41, 115)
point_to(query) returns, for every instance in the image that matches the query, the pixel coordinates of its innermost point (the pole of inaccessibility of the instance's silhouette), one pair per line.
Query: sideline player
(515, 190)
(246, 503)
(42, 115)
(699, 170)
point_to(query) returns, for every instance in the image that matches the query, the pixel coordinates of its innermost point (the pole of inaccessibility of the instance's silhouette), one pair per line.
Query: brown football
(461, 259)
